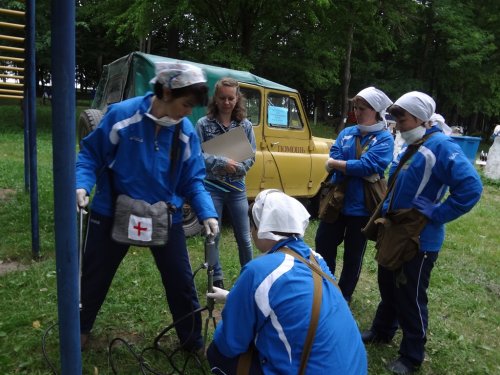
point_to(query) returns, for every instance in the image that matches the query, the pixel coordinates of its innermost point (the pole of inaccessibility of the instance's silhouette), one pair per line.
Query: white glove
(211, 226)
(219, 295)
(372, 178)
(82, 199)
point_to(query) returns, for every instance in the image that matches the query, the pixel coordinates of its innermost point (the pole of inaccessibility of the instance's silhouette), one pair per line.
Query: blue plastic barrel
(469, 145)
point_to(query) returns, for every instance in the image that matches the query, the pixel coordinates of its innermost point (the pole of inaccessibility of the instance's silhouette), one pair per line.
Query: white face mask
(411, 136)
(163, 121)
(371, 128)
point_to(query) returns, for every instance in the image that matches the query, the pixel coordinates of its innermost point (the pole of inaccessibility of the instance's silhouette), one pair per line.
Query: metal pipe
(14, 68)
(11, 97)
(12, 38)
(11, 12)
(12, 25)
(63, 114)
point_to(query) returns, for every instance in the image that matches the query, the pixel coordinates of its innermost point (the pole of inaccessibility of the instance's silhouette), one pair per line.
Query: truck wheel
(190, 221)
(87, 122)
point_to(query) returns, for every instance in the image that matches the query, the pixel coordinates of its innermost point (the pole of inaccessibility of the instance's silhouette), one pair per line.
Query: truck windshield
(253, 100)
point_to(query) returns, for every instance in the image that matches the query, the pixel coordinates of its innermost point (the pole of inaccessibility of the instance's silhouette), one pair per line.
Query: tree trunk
(346, 79)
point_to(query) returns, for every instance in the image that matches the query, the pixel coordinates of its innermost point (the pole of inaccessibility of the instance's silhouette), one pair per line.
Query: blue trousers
(102, 257)
(236, 203)
(330, 235)
(404, 302)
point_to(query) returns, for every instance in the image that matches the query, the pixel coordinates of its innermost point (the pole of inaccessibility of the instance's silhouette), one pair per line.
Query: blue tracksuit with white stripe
(126, 155)
(377, 153)
(270, 306)
(438, 166)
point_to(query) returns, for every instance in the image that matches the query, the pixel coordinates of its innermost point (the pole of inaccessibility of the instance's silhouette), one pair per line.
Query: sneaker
(402, 366)
(371, 337)
(219, 284)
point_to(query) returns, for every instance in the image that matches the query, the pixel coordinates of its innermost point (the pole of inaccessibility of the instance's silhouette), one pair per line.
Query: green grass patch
(464, 295)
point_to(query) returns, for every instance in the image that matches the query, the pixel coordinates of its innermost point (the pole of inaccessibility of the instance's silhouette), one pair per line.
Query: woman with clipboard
(225, 179)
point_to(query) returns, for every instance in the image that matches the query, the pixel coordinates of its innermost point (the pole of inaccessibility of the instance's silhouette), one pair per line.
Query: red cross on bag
(140, 228)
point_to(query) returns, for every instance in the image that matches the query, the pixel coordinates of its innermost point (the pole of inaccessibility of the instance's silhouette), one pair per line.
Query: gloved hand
(82, 199)
(327, 165)
(372, 178)
(211, 226)
(219, 295)
(425, 205)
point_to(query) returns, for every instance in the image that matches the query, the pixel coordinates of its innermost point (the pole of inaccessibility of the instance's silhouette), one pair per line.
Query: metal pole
(63, 131)
(30, 107)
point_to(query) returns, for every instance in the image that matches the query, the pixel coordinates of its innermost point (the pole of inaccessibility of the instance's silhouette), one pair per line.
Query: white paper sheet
(234, 145)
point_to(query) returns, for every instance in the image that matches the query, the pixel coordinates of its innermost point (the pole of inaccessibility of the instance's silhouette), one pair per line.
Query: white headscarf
(377, 99)
(420, 105)
(274, 211)
(175, 75)
(439, 121)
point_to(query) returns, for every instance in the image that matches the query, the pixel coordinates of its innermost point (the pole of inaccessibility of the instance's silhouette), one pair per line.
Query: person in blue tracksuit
(377, 144)
(146, 148)
(437, 168)
(226, 177)
(269, 307)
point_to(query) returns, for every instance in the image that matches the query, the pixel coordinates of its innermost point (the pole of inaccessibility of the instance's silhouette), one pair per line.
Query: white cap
(439, 121)
(376, 98)
(274, 211)
(175, 75)
(420, 105)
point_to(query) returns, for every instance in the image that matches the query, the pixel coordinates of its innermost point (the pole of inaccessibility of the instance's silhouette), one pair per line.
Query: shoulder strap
(174, 150)
(410, 151)
(318, 274)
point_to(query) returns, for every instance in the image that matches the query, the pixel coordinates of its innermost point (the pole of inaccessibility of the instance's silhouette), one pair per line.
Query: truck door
(287, 138)
(254, 97)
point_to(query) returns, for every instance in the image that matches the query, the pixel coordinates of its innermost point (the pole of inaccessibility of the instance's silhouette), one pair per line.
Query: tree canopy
(327, 49)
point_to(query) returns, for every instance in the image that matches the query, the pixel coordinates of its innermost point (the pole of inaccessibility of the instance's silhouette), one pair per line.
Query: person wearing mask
(270, 306)
(145, 148)
(440, 183)
(355, 171)
(226, 177)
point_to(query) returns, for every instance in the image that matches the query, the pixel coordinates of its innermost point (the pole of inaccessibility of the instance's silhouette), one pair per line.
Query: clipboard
(233, 145)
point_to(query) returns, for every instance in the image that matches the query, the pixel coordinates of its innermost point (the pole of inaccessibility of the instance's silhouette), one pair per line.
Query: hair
(239, 111)
(198, 90)
(359, 99)
(397, 112)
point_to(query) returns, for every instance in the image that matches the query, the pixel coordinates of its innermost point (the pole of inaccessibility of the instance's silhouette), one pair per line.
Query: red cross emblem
(139, 229)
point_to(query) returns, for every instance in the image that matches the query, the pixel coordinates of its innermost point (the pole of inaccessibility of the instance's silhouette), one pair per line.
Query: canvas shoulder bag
(139, 223)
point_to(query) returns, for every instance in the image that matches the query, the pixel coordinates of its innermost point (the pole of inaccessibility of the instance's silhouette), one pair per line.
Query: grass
(464, 293)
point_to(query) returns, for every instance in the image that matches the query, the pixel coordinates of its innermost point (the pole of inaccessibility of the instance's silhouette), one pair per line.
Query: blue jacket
(270, 305)
(438, 165)
(124, 153)
(378, 152)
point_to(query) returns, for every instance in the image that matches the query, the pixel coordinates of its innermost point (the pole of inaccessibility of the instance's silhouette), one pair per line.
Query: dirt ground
(6, 267)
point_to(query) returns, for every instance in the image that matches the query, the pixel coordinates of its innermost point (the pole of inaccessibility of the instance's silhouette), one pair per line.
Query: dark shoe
(219, 284)
(84, 341)
(402, 366)
(371, 337)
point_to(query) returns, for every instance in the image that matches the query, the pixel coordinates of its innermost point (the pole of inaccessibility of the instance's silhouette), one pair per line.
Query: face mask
(371, 128)
(163, 121)
(411, 136)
